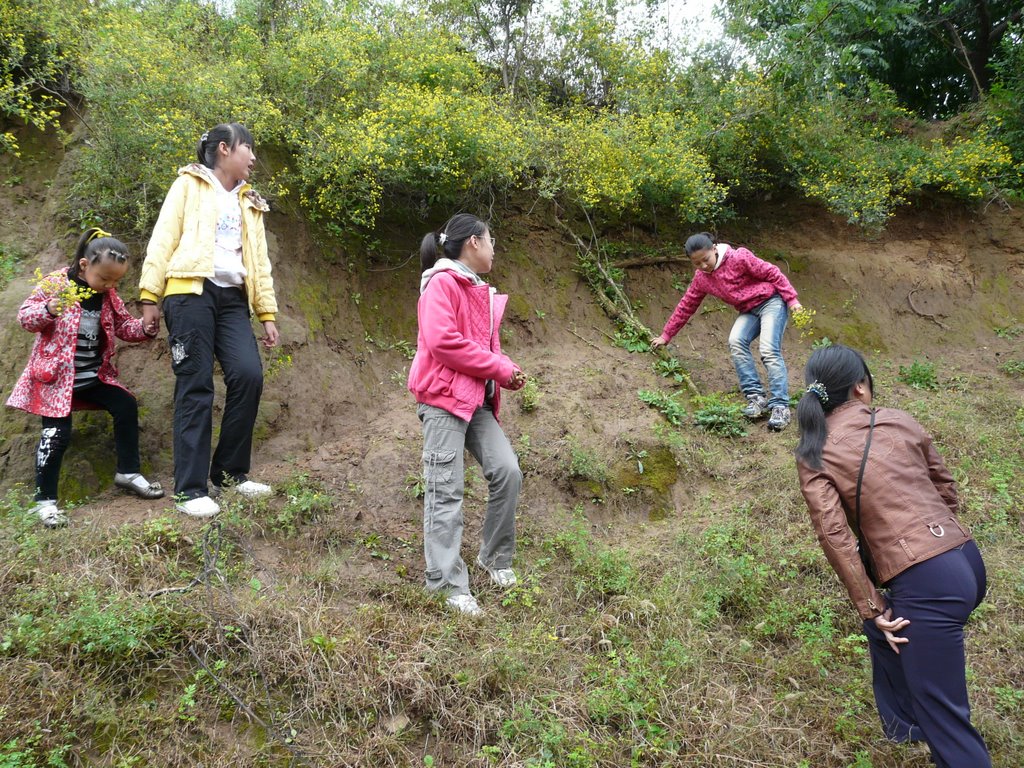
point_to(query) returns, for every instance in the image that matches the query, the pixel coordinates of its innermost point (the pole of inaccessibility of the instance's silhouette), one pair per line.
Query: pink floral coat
(46, 387)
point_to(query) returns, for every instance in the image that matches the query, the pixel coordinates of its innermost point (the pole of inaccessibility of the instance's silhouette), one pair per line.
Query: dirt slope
(939, 280)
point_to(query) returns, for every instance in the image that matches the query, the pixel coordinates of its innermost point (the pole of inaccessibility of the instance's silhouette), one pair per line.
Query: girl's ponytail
(428, 251)
(457, 230)
(830, 375)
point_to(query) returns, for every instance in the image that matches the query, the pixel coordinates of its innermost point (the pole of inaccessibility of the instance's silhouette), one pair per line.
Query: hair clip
(442, 237)
(819, 391)
(205, 137)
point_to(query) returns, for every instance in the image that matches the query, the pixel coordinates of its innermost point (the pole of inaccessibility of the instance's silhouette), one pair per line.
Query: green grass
(718, 636)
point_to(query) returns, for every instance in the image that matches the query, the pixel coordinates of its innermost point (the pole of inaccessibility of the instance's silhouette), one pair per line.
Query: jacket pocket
(184, 360)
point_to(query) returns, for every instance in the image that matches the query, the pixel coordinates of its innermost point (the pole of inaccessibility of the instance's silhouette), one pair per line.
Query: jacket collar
(245, 192)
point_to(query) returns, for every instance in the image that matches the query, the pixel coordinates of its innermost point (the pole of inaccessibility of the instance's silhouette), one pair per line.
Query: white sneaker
(203, 506)
(503, 577)
(466, 604)
(50, 514)
(249, 488)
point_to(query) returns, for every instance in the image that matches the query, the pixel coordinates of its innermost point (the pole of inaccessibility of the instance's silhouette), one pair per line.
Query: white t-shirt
(228, 271)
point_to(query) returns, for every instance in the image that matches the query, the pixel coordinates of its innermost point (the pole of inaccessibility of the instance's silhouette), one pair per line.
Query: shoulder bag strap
(864, 463)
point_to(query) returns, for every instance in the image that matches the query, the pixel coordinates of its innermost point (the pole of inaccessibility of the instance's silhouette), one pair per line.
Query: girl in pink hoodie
(457, 377)
(764, 297)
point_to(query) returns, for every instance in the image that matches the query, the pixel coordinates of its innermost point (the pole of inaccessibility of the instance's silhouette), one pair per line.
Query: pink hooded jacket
(46, 387)
(457, 348)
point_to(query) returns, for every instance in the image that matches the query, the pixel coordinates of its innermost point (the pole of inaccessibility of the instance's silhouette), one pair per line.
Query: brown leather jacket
(908, 499)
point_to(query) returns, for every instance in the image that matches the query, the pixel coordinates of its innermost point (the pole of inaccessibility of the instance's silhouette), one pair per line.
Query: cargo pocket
(184, 361)
(438, 466)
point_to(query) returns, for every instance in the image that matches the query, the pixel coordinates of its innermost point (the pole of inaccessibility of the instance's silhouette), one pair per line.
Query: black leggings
(120, 404)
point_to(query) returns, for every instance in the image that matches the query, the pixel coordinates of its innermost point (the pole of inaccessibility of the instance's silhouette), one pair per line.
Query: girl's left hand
(272, 337)
(889, 626)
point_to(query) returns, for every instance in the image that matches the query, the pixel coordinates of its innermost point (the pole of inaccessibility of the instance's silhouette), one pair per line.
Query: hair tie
(818, 390)
(442, 237)
(97, 232)
(204, 138)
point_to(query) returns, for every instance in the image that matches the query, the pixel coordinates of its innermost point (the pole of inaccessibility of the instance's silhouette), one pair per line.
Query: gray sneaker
(779, 419)
(756, 407)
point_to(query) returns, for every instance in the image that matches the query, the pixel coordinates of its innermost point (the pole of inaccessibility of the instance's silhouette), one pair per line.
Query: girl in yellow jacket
(207, 261)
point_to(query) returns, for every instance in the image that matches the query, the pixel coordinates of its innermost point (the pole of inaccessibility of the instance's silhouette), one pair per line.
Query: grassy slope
(682, 616)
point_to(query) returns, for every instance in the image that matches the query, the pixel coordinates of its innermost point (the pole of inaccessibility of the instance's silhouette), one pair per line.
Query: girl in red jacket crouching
(76, 315)
(457, 376)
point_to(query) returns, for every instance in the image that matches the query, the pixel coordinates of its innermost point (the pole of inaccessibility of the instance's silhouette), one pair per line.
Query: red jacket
(46, 387)
(741, 280)
(458, 348)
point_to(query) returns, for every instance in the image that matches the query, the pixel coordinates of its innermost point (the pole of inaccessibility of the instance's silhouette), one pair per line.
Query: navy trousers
(921, 693)
(213, 324)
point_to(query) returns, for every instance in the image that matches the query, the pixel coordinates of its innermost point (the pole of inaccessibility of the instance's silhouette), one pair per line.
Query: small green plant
(1013, 368)
(1009, 331)
(670, 368)
(305, 499)
(529, 395)
(715, 414)
(9, 260)
(632, 340)
(415, 486)
(920, 375)
(670, 408)
(584, 464)
(821, 343)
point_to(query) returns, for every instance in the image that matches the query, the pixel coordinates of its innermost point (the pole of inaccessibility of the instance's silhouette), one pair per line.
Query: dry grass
(715, 637)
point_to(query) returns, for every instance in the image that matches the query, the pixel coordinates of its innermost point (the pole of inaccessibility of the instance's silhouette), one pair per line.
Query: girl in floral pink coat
(76, 315)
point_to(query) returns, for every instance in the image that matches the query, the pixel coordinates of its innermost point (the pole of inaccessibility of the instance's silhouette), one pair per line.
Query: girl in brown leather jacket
(884, 507)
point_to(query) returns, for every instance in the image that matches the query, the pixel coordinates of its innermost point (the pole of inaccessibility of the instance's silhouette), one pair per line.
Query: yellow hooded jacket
(180, 252)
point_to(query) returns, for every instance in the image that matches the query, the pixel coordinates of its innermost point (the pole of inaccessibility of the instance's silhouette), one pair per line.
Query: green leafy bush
(715, 414)
(919, 375)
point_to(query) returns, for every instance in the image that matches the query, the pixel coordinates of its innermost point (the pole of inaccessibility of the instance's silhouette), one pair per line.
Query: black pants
(921, 692)
(121, 405)
(214, 324)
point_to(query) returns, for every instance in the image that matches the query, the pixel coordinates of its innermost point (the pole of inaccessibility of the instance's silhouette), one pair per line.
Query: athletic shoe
(779, 419)
(756, 407)
(466, 604)
(202, 506)
(248, 488)
(50, 514)
(503, 577)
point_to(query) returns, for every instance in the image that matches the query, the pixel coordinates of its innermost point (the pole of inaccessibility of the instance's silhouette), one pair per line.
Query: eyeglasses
(489, 237)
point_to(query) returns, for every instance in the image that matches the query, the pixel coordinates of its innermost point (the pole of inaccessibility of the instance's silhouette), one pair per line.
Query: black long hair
(458, 229)
(837, 369)
(96, 245)
(231, 134)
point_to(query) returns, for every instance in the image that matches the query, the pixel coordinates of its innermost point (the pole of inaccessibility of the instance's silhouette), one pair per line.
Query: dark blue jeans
(921, 693)
(213, 324)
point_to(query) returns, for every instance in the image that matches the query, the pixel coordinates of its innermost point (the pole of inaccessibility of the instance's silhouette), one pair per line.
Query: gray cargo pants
(444, 438)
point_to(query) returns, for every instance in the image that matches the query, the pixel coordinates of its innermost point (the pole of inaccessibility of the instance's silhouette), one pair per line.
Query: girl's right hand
(889, 626)
(53, 307)
(517, 381)
(658, 341)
